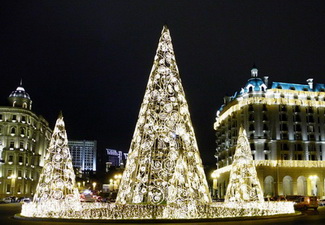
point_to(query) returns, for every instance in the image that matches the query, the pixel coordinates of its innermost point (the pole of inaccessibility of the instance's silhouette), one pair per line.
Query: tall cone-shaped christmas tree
(56, 189)
(163, 137)
(244, 185)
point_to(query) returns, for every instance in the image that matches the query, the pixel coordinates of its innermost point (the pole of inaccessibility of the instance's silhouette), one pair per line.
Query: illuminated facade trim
(284, 125)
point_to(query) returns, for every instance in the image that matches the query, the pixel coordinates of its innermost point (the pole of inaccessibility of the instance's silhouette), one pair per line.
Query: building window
(10, 158)
(13, 131)
(296, 118)
(284, 147)
(251, 127)
(310, 109)
(265, 117)
(264, 107)
(283, 117)
(14, 118)
(296, 108)
(20, 173)
(310, 119)
(311, 137)
(284, 156)
(312, 147)
(298, 147)
(283, 127)
(297, 127)
(266, 156)
(22, 132)
(298, 136)
(310, 128)
(251, 117)
(284, 136)
(250, 108)
(282, 108)
(9, 173)
(252, 145)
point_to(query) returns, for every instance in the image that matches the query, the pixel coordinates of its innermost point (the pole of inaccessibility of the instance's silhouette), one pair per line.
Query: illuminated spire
(163, 138)
(244, 185)
(56, 184)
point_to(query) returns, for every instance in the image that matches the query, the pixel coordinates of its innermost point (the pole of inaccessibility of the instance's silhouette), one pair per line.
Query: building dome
(19, 93)
(255, 84)
(20, 98)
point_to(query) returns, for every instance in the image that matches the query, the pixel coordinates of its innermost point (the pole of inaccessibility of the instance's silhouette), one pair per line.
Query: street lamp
(94, 185)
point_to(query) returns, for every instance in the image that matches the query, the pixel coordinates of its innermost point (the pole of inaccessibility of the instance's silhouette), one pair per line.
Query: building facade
(115, 158)
(24, 138)
(84, 156)
(285, 127)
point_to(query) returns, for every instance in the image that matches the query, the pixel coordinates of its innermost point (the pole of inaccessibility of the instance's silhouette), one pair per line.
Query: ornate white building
(24, 137)
(285, 128)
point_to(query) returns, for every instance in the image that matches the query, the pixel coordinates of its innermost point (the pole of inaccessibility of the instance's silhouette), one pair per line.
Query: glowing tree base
(111, 211)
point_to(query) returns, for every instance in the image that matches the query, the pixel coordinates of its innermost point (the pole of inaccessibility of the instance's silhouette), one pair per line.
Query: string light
(244, 185)
(237, 105)
(163, 177)
(56, 189)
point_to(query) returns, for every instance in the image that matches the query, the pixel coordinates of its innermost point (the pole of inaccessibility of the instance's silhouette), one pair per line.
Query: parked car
(25, 200)
(321, 202)
(306, 202)
(7, 199)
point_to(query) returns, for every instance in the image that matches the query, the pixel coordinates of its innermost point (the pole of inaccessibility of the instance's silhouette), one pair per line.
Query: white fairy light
(244, 185)
(163, 134)
(163, 177)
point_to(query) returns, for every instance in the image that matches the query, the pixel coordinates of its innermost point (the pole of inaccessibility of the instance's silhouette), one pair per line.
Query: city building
(84, 157)
(285, 127)
(115, 158)
(24, 138)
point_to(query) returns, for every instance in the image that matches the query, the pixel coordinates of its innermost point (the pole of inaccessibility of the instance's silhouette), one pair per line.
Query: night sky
(92, 59)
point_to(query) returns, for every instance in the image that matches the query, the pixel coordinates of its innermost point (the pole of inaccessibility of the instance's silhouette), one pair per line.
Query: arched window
(287, 185)
(301, 186)
(13, 131)
(269, 186)
(25, 105)
(22, 131)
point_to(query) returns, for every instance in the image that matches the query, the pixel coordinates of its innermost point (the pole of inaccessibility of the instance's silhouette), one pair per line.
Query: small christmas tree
(163, 137)
(244, 185)
(56, 187)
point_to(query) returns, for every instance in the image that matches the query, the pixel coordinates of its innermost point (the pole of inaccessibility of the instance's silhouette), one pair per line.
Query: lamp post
(94, 185)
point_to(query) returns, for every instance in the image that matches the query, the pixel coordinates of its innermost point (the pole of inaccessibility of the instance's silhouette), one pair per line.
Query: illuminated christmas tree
(164, 165)
(56, 189)
(244, 185)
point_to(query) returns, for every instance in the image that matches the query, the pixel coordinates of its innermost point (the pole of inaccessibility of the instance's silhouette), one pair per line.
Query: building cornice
(239, 102)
